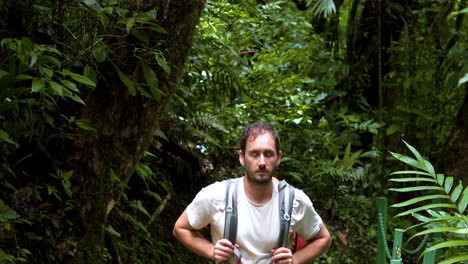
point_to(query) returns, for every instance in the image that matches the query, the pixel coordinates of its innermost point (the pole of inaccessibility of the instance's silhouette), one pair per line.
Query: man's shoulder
(215, 190)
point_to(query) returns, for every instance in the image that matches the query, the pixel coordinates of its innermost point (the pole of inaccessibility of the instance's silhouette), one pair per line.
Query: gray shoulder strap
(230, 209)
(285, 203)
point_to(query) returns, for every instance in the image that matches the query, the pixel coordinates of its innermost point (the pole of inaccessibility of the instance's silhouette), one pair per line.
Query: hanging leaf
(100, 52)
(56, 87)
(128, 82)
(137, 205)
(163, 63)
(70, 85)
(84, 124)
(78, 77)
(37, 85)
(130, 24)
(152, 81)
(6, 138)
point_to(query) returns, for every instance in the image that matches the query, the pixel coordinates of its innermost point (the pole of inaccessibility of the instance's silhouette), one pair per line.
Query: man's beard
(264, 180)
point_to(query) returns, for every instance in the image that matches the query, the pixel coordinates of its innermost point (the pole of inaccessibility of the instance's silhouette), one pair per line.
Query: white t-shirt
(258, 225)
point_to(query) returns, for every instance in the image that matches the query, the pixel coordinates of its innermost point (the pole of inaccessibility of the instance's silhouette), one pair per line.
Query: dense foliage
(343, 81)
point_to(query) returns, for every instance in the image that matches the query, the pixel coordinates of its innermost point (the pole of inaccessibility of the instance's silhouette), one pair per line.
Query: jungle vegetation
(114, 113)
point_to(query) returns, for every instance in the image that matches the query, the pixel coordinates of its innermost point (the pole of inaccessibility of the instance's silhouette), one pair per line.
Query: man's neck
(258, 193)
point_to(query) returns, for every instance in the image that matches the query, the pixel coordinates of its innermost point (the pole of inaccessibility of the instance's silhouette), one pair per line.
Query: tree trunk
(125, 124)
(454, 157)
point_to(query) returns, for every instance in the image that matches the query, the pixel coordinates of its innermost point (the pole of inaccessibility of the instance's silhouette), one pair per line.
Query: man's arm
(315, 247)
(195, 241)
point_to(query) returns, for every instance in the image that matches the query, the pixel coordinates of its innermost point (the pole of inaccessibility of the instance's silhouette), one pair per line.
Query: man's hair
(256, 129)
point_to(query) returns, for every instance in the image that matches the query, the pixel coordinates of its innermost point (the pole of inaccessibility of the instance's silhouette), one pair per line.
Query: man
(257, 210)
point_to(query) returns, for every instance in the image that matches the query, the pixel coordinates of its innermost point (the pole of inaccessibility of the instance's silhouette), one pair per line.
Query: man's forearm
(196, 242)
(312, 250)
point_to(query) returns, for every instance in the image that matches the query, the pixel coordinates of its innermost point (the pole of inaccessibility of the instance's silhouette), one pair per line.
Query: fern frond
(417, 188)
(411, 172)
(414, 180)
(410, 161)
(426, 220)
(455, 259)
(420, 199)
(444, 219)
(425, 207)
(437, 230)
(446, 244)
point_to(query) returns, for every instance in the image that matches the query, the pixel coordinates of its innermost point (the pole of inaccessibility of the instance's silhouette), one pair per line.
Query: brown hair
(256, 129)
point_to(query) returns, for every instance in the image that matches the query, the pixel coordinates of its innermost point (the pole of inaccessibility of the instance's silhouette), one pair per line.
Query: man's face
(260, 159)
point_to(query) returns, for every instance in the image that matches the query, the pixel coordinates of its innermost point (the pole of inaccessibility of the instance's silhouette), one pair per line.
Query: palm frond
(448, 218)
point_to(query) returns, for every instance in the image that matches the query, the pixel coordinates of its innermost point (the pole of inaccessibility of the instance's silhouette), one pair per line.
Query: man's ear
(241, 157)
(280, 155)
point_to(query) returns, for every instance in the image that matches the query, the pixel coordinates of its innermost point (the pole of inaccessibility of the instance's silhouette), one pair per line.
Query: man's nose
(261, 162)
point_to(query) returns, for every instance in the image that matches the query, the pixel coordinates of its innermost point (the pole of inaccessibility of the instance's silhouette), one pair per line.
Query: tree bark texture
(454, 157)
(125, 124)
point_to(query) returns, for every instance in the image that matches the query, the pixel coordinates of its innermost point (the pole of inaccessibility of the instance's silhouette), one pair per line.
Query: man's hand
(282, 255)
(223, 250)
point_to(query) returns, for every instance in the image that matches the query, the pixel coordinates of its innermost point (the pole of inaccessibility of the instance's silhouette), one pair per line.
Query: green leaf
(93, 4)
(429, 167)
(56, 87)
(78, 77)
(462, 231)
(100, 52)
(419, 199)
(464, 201)
(6, 138)
(425, 207)
(152, 81)
(414, 180)
(456, 192)
(411, 172)
(327, 7)
(415, 152)
(448, 184)
(45, 71)
(464, 79)
(110, 229)
(454, 259)
(90, 73)
(440, 179)
(4, 257)
(453, 243)
(37, 85)
(84, 124)
(24, 77)
(3, 73)
(163, 63)
(410, 161)
(426, 220)
(137, 205)
(130, 24)
(76, 98)
(128, 82)
(161, 134)
(435, 230)
(417, 188)
(70, 85)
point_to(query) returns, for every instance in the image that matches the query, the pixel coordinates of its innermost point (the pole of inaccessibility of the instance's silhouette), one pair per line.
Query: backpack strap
(230, 209)
(285, 203)
(230, 215)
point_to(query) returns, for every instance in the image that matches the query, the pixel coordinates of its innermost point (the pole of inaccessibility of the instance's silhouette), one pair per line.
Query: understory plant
(439, 205)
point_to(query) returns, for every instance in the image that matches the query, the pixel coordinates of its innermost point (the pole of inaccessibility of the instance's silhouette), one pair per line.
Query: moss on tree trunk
(125, 125)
